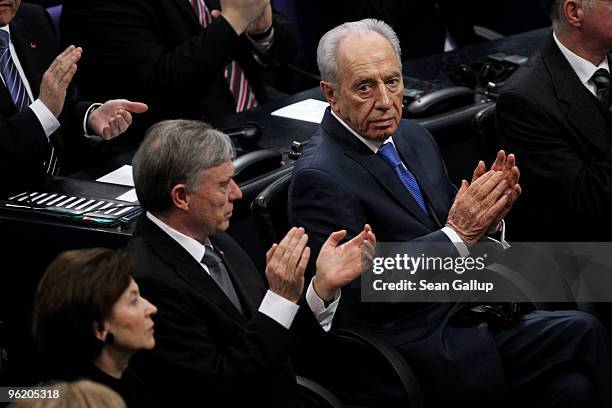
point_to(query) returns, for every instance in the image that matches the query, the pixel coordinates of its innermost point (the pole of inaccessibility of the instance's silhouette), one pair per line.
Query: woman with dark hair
(89, 319)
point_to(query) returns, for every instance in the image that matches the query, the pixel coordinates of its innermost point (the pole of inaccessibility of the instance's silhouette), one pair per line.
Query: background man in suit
(366, 165)
(36, 100)
(555, 113)
(222, 337)
(178, 55)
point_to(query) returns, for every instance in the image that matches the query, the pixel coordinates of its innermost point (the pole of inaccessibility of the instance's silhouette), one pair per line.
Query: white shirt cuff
(324, 315)
(278, 309)
(86, 119)
(47, 120)
(457, 241)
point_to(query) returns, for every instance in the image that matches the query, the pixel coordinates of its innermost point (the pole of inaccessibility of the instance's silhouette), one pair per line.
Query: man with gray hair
(223, 337)
(555, 113)
(367, 165)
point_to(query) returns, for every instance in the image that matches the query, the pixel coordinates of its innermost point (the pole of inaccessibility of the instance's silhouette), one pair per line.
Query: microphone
(246, 135)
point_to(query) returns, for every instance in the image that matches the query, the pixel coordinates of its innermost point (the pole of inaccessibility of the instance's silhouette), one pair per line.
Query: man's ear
(179, 196)
(330, 94)
(573, 12)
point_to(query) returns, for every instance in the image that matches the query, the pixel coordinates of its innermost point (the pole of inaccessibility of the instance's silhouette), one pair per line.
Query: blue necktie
(388, 153)
(13, 81)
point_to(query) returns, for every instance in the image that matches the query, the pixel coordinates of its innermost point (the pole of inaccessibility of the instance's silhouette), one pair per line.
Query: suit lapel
(381, 171)
(185, 266)
(29, 55)
(577, 100)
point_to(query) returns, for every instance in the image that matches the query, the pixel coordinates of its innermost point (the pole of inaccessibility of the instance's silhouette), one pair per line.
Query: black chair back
(484, 125)
(269, 209)
(353, 384)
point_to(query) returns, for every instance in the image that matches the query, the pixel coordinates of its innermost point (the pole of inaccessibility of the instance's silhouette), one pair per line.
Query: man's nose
(235, 192)
(383, 99)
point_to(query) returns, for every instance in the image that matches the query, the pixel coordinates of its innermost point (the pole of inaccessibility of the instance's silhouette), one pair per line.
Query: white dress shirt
(273, 305)
(583, 68)
(374, 146)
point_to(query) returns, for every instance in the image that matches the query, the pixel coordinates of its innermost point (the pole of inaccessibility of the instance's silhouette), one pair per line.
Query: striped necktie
(19, 94)
(11, 76)
(237, 81)
(218, 272)
(389, 154)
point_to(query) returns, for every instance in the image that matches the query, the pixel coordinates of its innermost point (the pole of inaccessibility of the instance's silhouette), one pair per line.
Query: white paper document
(128, 196)
(309, 110)
(121, 176)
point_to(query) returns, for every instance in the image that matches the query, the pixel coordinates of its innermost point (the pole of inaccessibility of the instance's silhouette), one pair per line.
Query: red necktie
(237, 81)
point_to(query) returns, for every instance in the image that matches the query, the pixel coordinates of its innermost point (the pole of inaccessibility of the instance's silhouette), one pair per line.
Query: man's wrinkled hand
(337, 265)
(507, 165)
(478, 205)
(114, 117)
(286, 263)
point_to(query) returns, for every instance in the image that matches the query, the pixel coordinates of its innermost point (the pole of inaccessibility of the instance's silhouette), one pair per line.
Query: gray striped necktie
(220, 275)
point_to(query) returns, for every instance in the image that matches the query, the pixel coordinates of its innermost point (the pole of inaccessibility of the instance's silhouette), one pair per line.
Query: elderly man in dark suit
(191, 59)
(223, 336)
(41, 115)
(555, 113)
(367, 165)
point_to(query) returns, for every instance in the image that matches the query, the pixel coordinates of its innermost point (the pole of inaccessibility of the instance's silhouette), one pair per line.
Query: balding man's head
(327, 51)
(362, 77)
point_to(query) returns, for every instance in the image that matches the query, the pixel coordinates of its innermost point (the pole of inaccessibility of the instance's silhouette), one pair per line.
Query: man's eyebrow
(363, 80)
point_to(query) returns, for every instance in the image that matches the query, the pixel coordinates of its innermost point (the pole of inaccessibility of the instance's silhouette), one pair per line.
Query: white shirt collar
(6, 28)
(583, 68)
(192, 246)
(372, 145)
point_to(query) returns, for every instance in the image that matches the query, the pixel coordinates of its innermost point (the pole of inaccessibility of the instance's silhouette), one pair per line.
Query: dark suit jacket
(339, 183)
(205, 349)
(23, 144)
(562, 137)
(155, 51)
